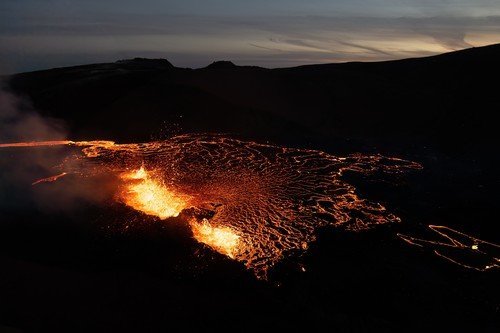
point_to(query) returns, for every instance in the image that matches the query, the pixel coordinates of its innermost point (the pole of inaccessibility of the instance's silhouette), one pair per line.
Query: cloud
(367, 48)
(196, 40)
(265, 48)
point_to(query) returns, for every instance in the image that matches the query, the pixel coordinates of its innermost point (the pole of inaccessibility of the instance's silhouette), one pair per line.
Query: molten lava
(145, 193)
(35, 144)
(49, 179)
(459, 248)
(222, 239)
(255, 203)
(259, 203)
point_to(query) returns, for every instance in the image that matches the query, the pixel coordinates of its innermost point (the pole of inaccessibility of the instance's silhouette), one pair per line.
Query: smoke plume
(21, 167)
(19, 121)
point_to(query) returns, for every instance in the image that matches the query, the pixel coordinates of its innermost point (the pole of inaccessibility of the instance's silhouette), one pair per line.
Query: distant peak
(221, 64)
(161, 63)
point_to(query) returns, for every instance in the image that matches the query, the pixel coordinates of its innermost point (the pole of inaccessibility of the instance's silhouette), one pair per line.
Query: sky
(40, 34)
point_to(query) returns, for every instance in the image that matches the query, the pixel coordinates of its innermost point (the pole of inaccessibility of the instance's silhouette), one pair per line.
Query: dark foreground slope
(68, 271)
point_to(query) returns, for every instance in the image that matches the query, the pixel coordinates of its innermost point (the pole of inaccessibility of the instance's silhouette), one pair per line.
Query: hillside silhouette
(443, 102)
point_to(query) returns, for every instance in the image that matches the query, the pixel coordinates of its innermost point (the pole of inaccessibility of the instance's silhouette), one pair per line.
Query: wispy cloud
(265, 48)
(366, 48)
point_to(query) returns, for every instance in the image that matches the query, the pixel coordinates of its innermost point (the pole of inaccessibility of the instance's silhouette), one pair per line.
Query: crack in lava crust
(270, 199)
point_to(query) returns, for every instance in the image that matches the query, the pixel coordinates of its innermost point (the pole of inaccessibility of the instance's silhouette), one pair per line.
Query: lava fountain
(146, 193)
(222, 239)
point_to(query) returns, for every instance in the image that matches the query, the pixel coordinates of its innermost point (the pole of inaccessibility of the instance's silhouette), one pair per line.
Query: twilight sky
(39, 34)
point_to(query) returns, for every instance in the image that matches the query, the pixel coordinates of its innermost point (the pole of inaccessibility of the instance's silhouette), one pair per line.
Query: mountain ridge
(219, 64)
(442, 102)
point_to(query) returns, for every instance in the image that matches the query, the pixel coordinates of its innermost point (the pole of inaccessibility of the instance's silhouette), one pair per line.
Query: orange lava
(96, 143)
(145, 193)
(49, 179)
(459, 248)
(222, 239)
(255, 203)
(35, 144)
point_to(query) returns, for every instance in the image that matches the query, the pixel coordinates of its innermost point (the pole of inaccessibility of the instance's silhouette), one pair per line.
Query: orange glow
(255, 203)
(466, 251)
(97, 143)
(50, 179)
(222, 239)
(35, 144)
(149, 195)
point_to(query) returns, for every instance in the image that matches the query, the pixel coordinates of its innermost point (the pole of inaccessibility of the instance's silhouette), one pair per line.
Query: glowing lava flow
(221, 239)
(144, 193)
(255, 203)
(35, 144)
(49, 179)
(97, 143)
(252, 202)
(459, 248)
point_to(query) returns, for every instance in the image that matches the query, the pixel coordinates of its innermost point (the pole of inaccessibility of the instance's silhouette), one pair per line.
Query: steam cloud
(20, 122)
(20, 167)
